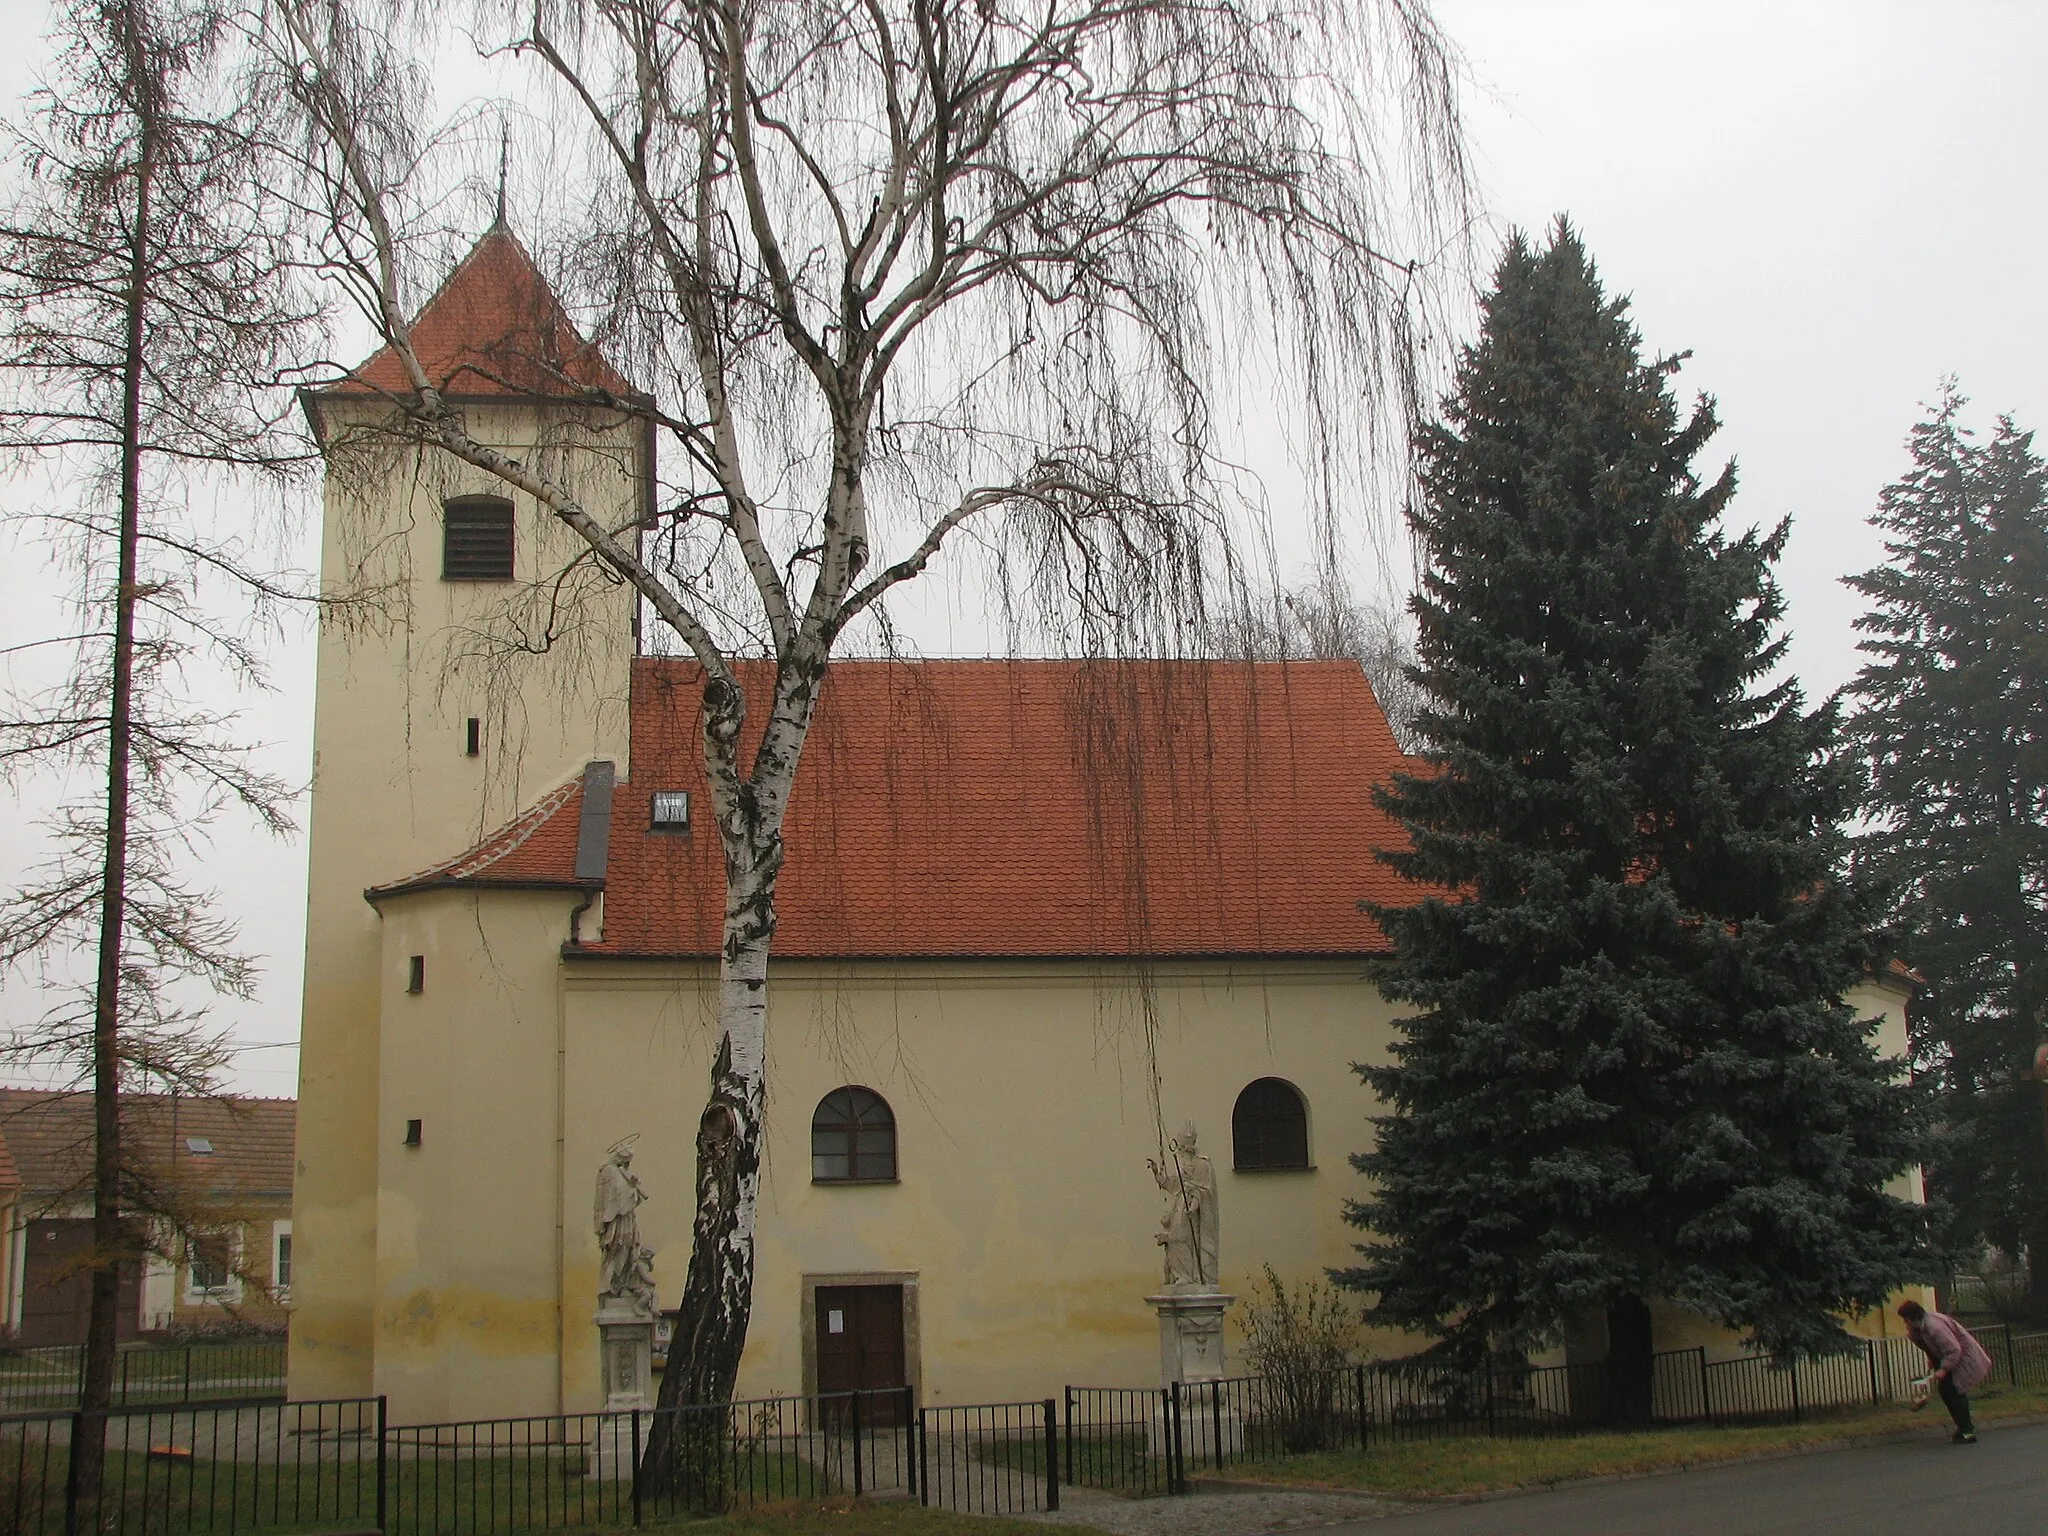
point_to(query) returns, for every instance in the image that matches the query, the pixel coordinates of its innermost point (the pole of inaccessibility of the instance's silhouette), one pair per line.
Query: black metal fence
(223, 1468)
(52, 1376)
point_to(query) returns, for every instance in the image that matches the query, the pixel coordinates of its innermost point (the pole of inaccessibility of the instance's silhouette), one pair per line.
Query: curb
(1416, 1503)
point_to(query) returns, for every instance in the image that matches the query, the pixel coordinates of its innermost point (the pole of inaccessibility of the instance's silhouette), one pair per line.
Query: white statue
(1189, 1228)
(625, 1269)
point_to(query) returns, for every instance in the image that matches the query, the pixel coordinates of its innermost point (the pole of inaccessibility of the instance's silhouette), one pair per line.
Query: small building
(229, 1162)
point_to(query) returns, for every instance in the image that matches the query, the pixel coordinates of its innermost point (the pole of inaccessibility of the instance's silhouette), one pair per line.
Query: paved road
(1919, 1487)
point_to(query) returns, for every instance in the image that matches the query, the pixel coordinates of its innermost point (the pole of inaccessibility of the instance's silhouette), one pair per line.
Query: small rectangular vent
(473, 738)
(416, 974)
(476, 539)
(412, 1133)
(671, 810)
(199, 1146)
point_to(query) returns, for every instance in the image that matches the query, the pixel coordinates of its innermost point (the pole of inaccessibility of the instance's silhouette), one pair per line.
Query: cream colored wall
(467, 1324)
(1024, 1113)
(393, 791)
(1024, 1118)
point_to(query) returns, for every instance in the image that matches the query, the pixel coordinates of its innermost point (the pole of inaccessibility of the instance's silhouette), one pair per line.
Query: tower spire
(504, 163)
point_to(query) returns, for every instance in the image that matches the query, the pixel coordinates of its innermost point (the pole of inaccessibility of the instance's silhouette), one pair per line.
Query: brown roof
(1020, 808)
(10, 1176)
(51, 1136)
(536, 848)
(495, 327)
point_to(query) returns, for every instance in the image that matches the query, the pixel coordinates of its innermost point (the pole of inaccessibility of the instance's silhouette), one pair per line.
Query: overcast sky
(1831, 205)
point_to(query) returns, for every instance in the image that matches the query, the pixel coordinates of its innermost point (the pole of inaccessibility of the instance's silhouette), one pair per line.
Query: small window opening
(473, 739)
(212, 1262)
(416, 974)
(412, 1133)
(476, 539)
(853, 1138)
(1269, 1127)
(281, 1267)
(199, 1146)
(671, 812)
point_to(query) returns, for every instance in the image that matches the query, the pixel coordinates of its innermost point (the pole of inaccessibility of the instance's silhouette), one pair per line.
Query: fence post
(71, 1474)
(1491, 1431)
(1052, 1455)
(188, 1375)
(636, 1469)
(1870, 1354)
(125, 1358)
(1364, 1413)
(1794, 1374)
(909, 1429)
(2012, 1363)
(924, 1470)
(1706, 1397)
(1176, 1447)
(383, 1496)
(1216, 1425)
(855, 1421)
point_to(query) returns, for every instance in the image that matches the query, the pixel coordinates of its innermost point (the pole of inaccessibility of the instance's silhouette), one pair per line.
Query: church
(1036, 917)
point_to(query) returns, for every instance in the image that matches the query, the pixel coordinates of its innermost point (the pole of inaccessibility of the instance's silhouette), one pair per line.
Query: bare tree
(902, 273)
(1324, 619)
(148, 307)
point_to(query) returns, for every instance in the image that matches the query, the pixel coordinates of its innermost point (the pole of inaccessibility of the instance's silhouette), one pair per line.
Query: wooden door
(860, 1346)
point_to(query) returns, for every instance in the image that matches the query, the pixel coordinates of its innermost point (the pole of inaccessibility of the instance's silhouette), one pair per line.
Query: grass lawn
(1422, 1469)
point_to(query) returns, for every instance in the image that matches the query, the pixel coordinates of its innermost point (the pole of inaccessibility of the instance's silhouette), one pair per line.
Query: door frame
(913, 1354)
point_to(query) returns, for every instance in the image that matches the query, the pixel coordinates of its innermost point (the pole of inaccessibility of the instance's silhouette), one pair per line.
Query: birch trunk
(717, 1305)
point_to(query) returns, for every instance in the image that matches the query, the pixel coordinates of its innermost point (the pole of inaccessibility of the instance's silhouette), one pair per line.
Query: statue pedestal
(625, 1355)
(1191, 1354)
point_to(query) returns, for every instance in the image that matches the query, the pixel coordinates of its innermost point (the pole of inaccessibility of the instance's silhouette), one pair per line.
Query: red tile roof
(51, 1134)
(1033, 808)
(536, 847)
(1008, 808)
(493, 328)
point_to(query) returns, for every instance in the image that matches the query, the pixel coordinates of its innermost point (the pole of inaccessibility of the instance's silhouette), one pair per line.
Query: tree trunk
(109, 1228)
(711, 1329)
(1630, 1361)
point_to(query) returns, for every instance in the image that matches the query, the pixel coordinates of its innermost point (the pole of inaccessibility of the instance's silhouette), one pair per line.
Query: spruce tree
(1953, 724)
(1631, 1076)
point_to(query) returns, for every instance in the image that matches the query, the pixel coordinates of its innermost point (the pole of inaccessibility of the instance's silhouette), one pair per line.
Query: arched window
(1269, 1127)
(853, 1138)
(476, 539)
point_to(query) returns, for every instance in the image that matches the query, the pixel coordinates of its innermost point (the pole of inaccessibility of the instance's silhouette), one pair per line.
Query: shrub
(1301, 1342)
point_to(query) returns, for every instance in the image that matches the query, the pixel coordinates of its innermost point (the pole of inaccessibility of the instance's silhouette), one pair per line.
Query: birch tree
(147, 306)
(899, 274)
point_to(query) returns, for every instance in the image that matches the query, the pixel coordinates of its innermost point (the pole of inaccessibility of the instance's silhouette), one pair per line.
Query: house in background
(232, 1158)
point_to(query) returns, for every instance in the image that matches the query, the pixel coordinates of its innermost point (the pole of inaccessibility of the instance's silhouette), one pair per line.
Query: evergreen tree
(1954, 726)
(1632, 1076)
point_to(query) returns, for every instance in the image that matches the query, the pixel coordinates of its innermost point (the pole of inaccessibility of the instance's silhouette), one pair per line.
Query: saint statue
(1188, 1229)
(625, 1269)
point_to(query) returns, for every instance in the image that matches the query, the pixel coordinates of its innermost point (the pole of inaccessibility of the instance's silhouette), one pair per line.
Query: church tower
(473, 659)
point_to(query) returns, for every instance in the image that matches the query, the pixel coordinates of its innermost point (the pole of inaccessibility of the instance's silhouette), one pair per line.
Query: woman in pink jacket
(1960, 1362)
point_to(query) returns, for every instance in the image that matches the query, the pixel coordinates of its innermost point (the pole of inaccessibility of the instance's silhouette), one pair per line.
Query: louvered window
(476, 539)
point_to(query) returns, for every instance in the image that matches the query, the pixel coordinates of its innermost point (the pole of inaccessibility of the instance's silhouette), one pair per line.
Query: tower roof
(494, 328)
